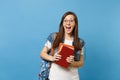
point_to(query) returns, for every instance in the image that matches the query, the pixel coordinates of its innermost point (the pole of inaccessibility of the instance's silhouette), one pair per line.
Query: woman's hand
(56, 57)
(70, 59)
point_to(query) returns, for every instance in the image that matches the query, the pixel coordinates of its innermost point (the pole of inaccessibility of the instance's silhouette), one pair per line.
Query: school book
(65, 51)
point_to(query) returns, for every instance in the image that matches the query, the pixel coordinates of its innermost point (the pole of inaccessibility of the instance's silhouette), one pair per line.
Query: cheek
(73, 26)
(63, 25)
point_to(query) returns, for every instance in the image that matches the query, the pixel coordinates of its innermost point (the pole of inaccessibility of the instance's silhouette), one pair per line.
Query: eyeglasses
(70, 21)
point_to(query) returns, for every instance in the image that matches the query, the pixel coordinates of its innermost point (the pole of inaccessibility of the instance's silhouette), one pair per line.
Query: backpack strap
(78, 53)
(51, 37)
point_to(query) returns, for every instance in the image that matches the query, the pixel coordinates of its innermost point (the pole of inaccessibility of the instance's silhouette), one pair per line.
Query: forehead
(69, 17)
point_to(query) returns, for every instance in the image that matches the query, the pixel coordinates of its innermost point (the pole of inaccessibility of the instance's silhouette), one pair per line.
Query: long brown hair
(60, 35)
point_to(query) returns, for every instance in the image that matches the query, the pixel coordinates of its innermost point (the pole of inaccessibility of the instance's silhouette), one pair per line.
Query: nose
(68, 22)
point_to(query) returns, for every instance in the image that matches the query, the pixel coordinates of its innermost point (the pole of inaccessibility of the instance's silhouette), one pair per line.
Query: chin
(68, 32)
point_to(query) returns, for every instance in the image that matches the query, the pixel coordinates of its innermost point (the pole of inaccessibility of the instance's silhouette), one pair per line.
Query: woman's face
(69, 24)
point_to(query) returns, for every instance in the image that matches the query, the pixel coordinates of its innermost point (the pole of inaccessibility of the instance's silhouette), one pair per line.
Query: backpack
(45, 65)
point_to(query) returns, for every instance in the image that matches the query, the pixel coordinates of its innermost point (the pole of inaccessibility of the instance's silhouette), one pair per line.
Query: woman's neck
(68, 36)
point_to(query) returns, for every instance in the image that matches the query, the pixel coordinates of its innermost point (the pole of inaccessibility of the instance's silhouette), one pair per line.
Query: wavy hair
(60, 35)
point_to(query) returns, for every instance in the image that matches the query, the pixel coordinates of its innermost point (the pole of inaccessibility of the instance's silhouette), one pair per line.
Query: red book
(65, 51)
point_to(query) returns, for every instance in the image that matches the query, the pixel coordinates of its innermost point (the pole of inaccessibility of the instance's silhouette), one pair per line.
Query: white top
(59, 73)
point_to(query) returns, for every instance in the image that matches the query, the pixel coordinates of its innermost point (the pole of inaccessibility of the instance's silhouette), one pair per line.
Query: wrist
(51, 58)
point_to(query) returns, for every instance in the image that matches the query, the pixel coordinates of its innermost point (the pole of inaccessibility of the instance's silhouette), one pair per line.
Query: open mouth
(68, 27)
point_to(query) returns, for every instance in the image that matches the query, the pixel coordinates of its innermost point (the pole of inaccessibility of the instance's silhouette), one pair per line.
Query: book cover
(65, 51)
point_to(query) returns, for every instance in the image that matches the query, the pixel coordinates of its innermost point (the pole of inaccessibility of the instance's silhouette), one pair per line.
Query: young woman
(67, 34)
